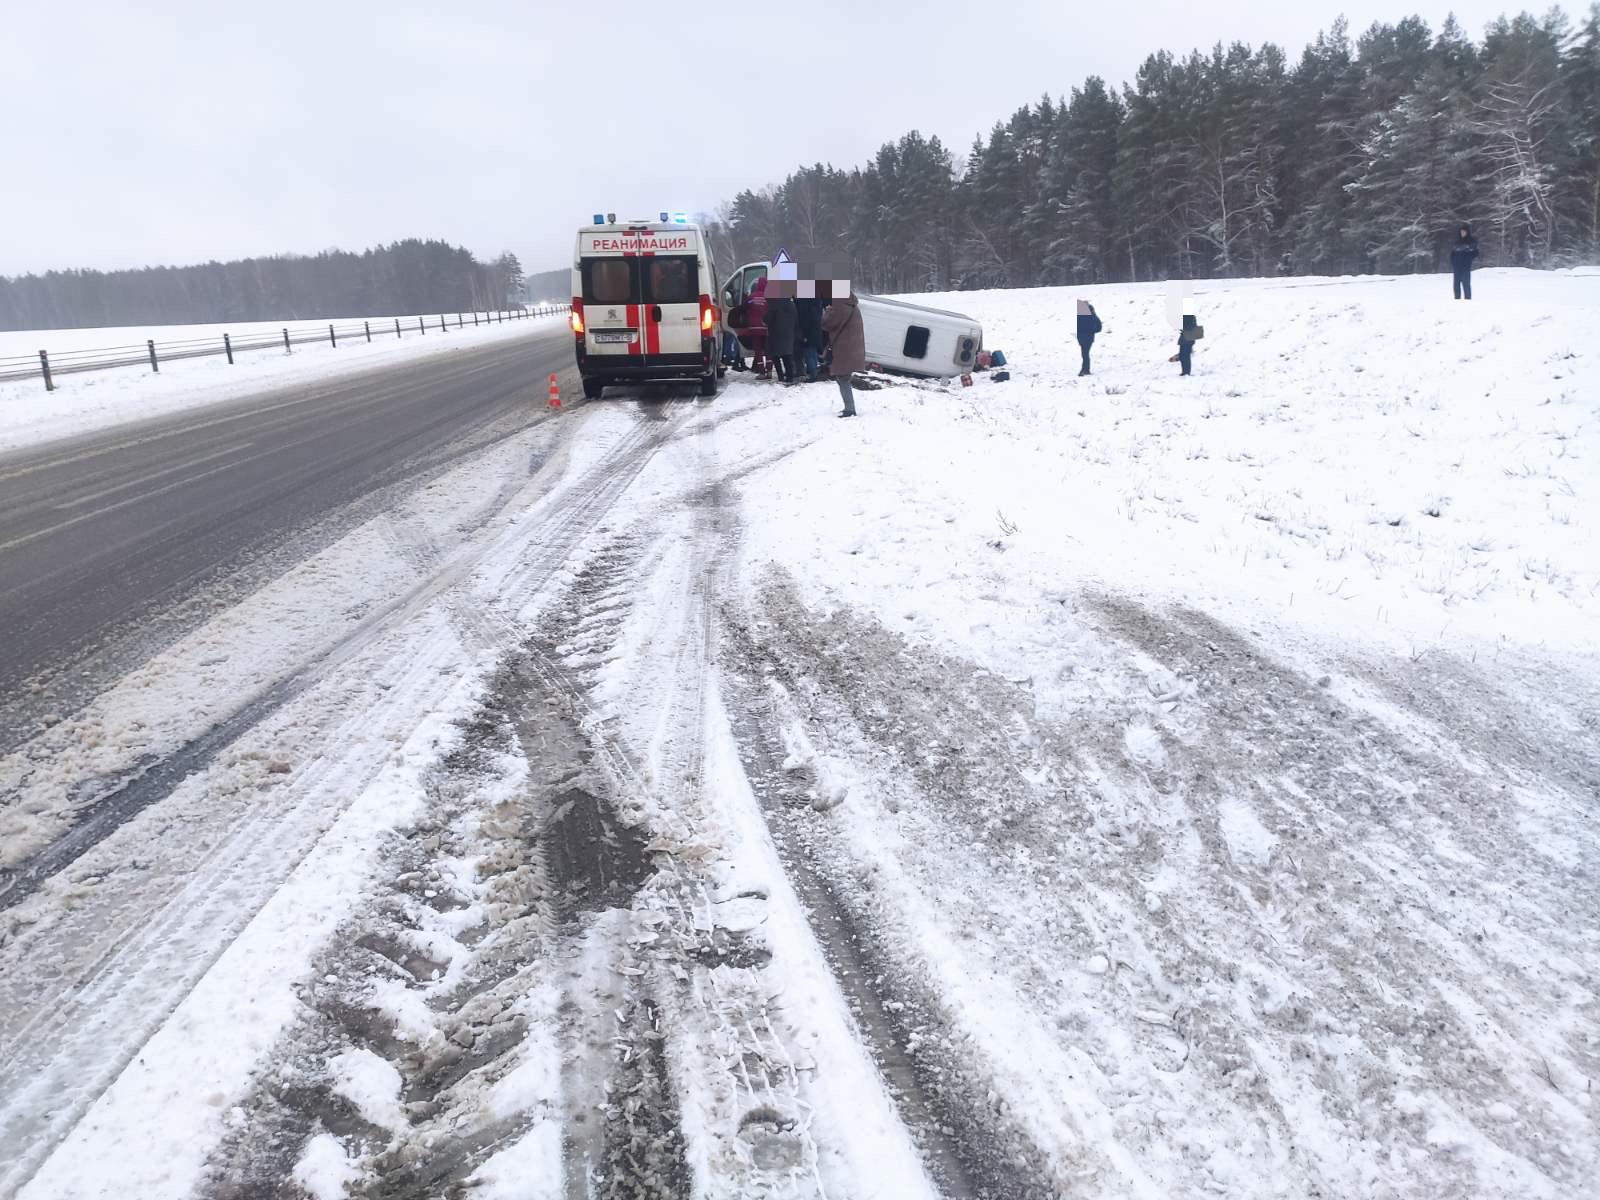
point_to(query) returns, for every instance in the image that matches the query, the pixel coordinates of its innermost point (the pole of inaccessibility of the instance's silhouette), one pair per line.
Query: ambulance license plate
(613, 335)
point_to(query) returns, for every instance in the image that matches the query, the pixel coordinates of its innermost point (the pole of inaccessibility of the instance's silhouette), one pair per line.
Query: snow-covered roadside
(323, 778)
(92, 400)
(1360, 452)
(1212, 760)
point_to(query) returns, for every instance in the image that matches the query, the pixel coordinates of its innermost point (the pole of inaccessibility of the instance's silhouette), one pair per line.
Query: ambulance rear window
(610, 281)
(673, 280)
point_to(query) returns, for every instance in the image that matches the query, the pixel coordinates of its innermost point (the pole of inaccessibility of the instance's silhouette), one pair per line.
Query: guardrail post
(397, 327)
(420, 329)
(227, 346)
(44, 365)
(368, 325)
(150, 344)
(332, 340)
(442, 329)
(458, 320)
(474, 318)
(286, 348)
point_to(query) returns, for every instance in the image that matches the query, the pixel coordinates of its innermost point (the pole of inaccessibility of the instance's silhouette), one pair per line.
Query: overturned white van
(917, 340)
(644, 305)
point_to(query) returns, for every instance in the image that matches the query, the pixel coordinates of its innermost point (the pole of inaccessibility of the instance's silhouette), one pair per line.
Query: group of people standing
(794, 337)
(1462, 255)
(1089, 324)
(812, 336)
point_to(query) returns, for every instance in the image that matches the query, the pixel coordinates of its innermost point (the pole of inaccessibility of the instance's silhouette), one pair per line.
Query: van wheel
(592, 388)
(708, 385)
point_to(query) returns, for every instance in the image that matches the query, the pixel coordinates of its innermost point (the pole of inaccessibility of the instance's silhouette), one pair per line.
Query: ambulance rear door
(670, 300)
(610, 283)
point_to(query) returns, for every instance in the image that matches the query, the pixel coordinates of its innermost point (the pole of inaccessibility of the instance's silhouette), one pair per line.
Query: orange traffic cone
(555, 392)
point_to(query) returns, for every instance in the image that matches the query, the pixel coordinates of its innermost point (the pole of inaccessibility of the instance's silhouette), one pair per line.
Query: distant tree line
(550, 285)
(406, 277)
(1360, 157)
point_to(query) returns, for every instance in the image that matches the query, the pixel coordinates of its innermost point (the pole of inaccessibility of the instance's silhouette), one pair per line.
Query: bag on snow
(997, 358)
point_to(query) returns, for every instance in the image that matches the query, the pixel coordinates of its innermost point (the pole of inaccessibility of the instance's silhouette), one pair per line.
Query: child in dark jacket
(1088, 326)
(1186, 338)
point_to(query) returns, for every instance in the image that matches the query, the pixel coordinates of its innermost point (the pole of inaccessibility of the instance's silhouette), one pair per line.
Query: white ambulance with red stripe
(644, 304)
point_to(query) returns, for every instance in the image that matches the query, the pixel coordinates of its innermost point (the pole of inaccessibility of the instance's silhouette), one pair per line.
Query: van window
(610, 281)
(748, 279)
(916, 342)
(671, 280)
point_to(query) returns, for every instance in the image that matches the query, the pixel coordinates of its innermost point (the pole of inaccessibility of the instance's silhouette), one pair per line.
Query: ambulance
(644, 304)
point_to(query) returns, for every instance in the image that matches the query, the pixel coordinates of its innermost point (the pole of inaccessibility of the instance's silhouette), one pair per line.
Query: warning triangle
(783, 257)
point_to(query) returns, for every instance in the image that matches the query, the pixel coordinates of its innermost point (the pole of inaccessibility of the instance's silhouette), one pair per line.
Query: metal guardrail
(46, 366)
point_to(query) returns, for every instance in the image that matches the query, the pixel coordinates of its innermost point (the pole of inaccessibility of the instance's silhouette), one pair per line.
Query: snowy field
(89, 400)
(1124, 786)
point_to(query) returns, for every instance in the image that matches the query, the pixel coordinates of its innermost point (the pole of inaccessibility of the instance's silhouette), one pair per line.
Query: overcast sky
(175, 131)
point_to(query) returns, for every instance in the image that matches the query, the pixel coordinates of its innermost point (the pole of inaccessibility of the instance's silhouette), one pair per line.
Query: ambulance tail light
(576, 316)
(708, 315)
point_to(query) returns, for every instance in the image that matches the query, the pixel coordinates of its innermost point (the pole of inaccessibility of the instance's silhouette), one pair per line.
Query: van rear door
(670, 302)
(611, 305)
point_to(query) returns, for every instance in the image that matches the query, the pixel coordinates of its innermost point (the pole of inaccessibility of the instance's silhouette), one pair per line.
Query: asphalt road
(112, 544)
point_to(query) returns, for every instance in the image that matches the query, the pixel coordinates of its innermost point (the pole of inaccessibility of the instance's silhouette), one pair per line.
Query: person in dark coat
(808, 312)
(1185, 354)
(781, 323)
(847, 340)
(1088, 326)
(1461, 256)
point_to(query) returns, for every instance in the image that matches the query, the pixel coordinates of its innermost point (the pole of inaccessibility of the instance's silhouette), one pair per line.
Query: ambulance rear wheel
(592, 388)
(708, 385)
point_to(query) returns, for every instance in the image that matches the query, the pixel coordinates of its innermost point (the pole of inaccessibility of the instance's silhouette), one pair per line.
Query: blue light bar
(678, 218)
(599, 219)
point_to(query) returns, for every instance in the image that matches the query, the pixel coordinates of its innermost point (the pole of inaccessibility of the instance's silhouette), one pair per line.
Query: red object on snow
(966, 381)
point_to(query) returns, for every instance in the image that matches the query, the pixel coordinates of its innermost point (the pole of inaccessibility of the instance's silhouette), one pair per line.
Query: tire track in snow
(663, 1002)
(958, 1151)
(480, 931)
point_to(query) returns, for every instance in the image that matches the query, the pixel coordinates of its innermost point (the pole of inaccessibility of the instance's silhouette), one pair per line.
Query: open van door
(745, 307)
